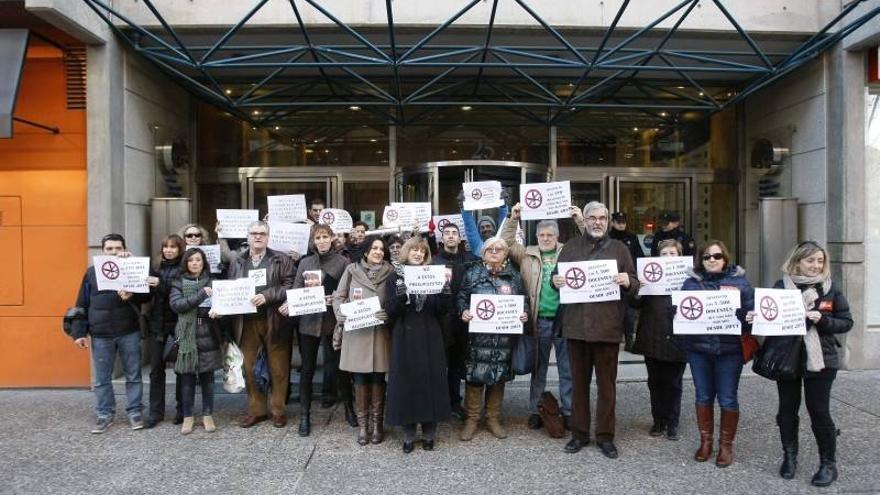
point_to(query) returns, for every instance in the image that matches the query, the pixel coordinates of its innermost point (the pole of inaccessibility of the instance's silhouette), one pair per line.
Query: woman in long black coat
(417, 389)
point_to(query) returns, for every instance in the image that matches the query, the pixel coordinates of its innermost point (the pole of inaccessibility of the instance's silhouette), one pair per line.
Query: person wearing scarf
(808, 270)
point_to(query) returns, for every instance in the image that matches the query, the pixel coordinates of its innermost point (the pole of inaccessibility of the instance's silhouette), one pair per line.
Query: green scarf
(187, 352)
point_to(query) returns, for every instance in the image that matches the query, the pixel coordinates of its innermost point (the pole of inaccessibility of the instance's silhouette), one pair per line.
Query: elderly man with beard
(594, 331)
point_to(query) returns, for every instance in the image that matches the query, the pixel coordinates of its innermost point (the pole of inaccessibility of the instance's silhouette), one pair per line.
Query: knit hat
(487, 218)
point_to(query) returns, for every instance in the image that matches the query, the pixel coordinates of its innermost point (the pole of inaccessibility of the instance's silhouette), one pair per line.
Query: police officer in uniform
(618, 231)
(670, 222)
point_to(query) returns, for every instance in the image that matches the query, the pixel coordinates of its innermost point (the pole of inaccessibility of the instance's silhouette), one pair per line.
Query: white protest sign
(287, 208)
(441, 221)
(779, 312)
(286, 237)
(212, 253)
(128, 274)
(545, 200)
(589, 281)
(484, 194)
(407, 214)
(340, 221)
(258, 275)
(361, 313)
(233, 297)
(496, 314)
(706, 312)
(235, 222)
(426, 279)
(312, 278)
(663, 275)
(306, 301)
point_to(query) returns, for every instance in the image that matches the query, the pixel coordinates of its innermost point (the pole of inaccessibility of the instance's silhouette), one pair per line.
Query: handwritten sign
(235, 222)
(233, 297)
(496, 314)
(287, 208)
(212, 253)
(779, 312)
(545, 200)
(663, 275)
(407, 214)
(588, 281)
(483, 194)
(361, 313)
(128, 274)
(340, 221)
(286, 237)
(258, 275)
(427, 279)
(706, 312)
(441, 221)
(306, 301)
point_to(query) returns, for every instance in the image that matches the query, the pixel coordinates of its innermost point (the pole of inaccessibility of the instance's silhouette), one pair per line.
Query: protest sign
(407, 214)
(441, 221)
(287, 208)
(426, 279)
(286, 237)
(706, 312)
(545, 200)
(312, 278)
(234, 223)
(496, 314)
(340, 221)
(258, 275)
(480, 195)
(663, 275)
(779, 312)
(212, 253)
(306, 301)
(361, 313)
(233, 297)
(589, 281)
(129, 274)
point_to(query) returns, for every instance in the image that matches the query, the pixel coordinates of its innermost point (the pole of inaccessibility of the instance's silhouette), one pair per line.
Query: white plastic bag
(233, 369)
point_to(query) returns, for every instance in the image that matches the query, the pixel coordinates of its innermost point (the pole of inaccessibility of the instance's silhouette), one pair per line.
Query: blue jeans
(716, 375)
(104, 350)
(544, 334)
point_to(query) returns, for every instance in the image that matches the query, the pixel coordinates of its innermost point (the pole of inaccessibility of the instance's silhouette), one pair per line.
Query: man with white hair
(594, 331)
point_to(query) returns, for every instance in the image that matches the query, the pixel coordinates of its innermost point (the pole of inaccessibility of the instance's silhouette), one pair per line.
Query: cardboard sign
(212, 253)
(287, 208)
(407, 214)
(340, 221)
(663, 275)
(233, 297)
(779, 312)
(441, 221)
(235, 222)
(361, 313)
(306, 301)
(427, 279)
(286, 237)
(545, 200)
(706, 312)
(480, 195)
(496, 314)
(589, 281)
(130, 274)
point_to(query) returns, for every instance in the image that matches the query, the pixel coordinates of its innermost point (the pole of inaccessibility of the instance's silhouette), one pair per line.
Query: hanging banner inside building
(212, 253)
(287, 208)
(233, 297)
(663, 275)
(481, 195)
(286, 237)
(234, 223)
(588, 281)
(496, 314)
(306, 301)
(406, 215)
(545, 200)
(361, 313)
(340, 221)
(425, 279)
(706, 312)
(779, 312)
(129, 274)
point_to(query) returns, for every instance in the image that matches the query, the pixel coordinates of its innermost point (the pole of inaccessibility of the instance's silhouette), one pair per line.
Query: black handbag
(524, 355)
(779, 358)
(169, 351)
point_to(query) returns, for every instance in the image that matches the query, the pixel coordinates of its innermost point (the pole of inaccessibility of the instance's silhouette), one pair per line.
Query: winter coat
(162, 318)
(598, 321)
(687, 242)
(107, 315)
(454, 330)
(630, 240)
(366, 350)
(487, 360)
(417, 387)
(654, 338)
(732, 278)
(279, 278)
(208, 339)
(331, 265)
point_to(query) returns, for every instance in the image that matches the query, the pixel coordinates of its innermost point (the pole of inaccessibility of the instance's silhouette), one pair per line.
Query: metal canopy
(405, 75)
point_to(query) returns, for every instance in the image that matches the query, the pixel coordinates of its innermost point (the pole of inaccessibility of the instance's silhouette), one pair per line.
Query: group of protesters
(406, 370)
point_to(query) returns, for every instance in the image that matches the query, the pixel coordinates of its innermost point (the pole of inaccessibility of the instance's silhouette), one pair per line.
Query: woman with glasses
(716, 361)
(807, 269)
(488, 357)
(194, 235)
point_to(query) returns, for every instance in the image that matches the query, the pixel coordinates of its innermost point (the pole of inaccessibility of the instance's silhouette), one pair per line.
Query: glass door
(645, 201)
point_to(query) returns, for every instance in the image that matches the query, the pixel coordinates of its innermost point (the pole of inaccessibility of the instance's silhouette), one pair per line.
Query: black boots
(788, 433)
(826, 440)
(305, 404)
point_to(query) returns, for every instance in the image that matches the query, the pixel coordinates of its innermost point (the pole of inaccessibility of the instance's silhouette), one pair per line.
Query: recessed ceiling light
(354, 108)
(228, 91)
(466, 108)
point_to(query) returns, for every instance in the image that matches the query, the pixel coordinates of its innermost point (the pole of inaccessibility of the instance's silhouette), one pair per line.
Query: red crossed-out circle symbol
(533, 198)
(691, 308)
(575, 278)
(485, 309)
(442, 224)
(476, 194)
(769, 308)
(110, 270)
(391, 215)
(328, 217)
(653, 272)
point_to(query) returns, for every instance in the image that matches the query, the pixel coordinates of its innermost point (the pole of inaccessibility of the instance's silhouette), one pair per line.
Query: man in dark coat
(670, 223)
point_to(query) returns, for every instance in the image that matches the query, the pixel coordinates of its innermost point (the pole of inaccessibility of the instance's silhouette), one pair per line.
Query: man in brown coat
(594, 331)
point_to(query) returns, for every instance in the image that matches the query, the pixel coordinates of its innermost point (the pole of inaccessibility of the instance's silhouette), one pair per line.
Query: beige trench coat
(367, 350)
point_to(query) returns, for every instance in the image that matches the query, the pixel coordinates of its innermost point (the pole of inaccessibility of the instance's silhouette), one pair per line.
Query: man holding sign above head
(478, 232)
(594, 329)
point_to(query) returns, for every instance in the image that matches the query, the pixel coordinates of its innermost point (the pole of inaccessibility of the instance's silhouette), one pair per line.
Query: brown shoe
(249, 420)
(729, 420)
(706, 425)
(494, 399)
(362, 408)
(377, 412)
(279, 420)
(473, 404)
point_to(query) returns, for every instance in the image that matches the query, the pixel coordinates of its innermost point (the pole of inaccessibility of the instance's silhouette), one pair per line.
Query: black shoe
(826, 474)
(428, 444)
(575, 445)
(608, 449)
(305, 424)
(350, 416)
(789, 464)
(657, 429)
(178, 420)
(328, 401)
(535, 421)
(152, 422)
(458, 412)
(672, 432)
(408, 447)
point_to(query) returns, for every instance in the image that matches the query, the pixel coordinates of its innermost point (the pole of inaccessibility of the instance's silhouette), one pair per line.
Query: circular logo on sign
(476, 194)
(391, 215)
(110, 270)
(653, 272)
(328, 217)
(575, 278)
(691, 308)
(533, 198)
(769, 308)
(442, 224)
(485, 309)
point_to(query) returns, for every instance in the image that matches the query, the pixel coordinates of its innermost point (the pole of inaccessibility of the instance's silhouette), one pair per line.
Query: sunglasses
(193, 235)
(714, 256)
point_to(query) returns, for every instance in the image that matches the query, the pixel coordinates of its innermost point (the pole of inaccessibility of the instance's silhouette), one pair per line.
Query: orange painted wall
(43, 187)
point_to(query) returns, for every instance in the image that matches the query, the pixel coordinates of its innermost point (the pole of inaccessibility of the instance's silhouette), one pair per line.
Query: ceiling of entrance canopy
(338, 73)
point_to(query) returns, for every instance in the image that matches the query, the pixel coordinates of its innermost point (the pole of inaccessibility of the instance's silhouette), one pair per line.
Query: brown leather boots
(727, 434)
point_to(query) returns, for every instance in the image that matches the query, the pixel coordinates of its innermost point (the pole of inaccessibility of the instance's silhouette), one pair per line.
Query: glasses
(193, 235)
(258, 234)
(495, 249)
(597, 219)
(713, 256)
